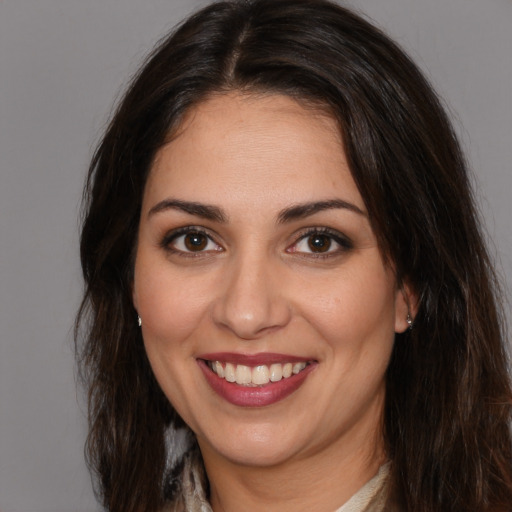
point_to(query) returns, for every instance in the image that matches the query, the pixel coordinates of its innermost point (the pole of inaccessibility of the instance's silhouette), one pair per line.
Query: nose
(252, 301)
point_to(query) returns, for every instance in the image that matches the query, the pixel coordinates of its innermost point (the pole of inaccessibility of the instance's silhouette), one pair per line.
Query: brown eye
(195, 241)
(190, 241)
(319, 243)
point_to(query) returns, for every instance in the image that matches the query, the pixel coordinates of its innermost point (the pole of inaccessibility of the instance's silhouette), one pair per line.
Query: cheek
(355, 307)
(170, 305)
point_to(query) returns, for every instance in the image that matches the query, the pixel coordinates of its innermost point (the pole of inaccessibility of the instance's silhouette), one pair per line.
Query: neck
(322, 481)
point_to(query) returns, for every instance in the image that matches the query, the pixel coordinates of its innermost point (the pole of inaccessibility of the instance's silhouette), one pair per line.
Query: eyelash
(170, 238)
(344, 243)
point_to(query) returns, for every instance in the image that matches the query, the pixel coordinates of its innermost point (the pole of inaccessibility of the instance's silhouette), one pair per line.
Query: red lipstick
(254, 396)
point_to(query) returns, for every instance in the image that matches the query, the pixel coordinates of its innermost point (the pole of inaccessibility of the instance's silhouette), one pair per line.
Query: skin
(257, 286)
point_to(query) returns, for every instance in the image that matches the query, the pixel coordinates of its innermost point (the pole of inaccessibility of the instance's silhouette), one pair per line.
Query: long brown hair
(448, 406)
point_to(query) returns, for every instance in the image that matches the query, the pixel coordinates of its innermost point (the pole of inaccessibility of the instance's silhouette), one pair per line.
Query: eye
(318, 243)
(321, 243)
(189, 241)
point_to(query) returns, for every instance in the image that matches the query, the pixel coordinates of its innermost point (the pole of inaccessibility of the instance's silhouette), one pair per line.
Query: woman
(282, 257)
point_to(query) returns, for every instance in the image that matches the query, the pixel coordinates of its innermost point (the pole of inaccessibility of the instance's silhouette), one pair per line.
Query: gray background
(62, 63)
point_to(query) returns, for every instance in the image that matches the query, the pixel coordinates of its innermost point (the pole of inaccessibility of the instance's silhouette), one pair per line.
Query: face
(268, 314)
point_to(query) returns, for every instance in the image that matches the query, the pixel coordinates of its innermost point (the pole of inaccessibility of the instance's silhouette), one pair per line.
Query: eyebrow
(216, 214)
(206, 211)
(301, 211)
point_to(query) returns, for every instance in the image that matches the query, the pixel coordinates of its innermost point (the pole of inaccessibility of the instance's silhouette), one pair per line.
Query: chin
(256, 447)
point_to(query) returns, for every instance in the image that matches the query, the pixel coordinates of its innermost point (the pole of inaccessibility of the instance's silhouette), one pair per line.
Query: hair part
(448, 400)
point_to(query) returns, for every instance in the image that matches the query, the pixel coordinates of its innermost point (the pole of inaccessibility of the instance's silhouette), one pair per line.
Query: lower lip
(257, 396)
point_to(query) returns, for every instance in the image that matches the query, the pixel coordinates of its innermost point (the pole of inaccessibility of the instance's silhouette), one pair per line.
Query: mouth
(255, 380)
(255, 376)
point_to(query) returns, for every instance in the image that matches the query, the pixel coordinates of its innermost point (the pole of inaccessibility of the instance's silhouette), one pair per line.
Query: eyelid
(345, 243)
(171, 236)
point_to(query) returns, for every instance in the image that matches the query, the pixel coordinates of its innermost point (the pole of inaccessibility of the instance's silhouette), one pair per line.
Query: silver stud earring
(409, 321)
(139, 320)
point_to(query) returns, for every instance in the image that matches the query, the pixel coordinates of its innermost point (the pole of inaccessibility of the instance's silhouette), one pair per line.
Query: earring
(409, 321)
(139, 320)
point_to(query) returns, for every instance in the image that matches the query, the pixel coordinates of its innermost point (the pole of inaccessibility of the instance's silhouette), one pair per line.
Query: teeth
(276, 372)
(298, 367)
(243, 374)
(258, 375)
(229, 372)
(219, 369)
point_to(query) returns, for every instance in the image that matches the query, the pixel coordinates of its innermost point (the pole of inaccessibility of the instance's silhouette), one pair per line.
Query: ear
(406, 306)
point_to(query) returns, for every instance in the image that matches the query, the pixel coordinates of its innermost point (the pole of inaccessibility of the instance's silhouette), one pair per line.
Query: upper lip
(266, 358)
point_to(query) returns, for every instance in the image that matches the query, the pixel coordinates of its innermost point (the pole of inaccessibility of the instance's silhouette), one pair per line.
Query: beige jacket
(371, 497)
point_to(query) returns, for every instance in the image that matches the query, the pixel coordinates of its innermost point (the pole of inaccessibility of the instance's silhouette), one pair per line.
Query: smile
(259, 375)
(255, 380)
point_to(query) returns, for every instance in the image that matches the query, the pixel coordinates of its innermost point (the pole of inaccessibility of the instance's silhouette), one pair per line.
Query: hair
(448, 403)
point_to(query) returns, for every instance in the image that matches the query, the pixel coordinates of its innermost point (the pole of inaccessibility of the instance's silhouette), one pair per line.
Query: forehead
(254, 147)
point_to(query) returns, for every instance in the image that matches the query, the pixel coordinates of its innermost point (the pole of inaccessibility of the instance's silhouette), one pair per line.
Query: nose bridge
(251, 302)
